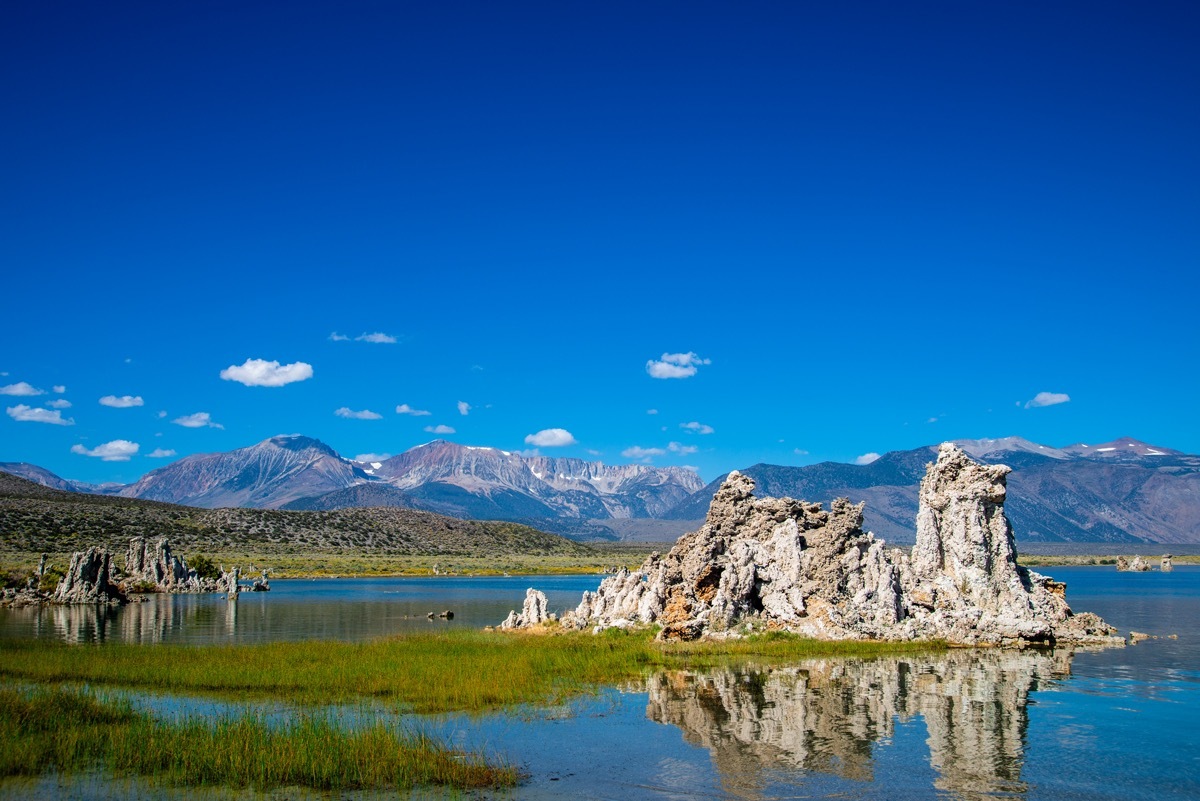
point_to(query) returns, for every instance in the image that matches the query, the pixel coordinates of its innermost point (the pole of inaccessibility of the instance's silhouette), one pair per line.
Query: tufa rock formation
(166, 571)
(1166, 566)
(89, 580)
(533, 612)
(779, 563)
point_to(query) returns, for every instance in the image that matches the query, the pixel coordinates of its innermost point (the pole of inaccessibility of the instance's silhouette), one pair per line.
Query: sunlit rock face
(827, 716)
(780, 563)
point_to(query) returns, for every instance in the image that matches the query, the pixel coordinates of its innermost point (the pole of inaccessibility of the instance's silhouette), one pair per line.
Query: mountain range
(1121, 491)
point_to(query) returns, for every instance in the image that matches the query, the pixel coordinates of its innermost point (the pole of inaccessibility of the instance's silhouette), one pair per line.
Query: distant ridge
(1120, 491)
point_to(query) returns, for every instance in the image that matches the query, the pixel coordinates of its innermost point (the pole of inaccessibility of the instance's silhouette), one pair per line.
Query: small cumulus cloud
(697, 428)
(675, 365)
(122, 402)
(550, 438)
(439, 429)
(59, 403)
(262, 373)
(652, 411)
(119, 450)
(59, 388)
(162, 414)
(336, 337)
(866, 458)
(365, 414)
(464, 408)
(197, 420)
(27, 414)
(21, 388)
(680, 448)
(638, 452)
(404, 408)
(1046, 399)
(932, 420)
(160, 453)
(372, 457)
(799, 451)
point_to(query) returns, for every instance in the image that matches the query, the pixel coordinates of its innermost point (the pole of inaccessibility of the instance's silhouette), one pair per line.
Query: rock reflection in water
(152, 621)
(826, 715)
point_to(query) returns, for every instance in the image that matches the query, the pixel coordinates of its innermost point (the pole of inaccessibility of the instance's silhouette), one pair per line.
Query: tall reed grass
(70, 731)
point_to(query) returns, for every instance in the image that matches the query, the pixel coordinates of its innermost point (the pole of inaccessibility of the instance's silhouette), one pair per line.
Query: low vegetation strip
(460, 670)
(71, 731)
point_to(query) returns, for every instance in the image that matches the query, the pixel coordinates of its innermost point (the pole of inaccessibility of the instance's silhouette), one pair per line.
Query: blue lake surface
(1121, 723)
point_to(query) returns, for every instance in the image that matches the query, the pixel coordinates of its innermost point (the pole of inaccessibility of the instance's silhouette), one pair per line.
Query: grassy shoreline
(453, 671)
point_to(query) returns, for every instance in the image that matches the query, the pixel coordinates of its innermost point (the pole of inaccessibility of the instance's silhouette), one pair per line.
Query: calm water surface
(1084, 724)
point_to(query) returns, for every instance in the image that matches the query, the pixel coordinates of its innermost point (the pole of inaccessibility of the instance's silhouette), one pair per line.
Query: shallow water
(299, 609)
(1084, 724)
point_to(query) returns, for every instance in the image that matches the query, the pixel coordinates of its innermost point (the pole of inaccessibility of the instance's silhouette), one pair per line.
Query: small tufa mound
(533, 612)
(161, 568)
(784, 564)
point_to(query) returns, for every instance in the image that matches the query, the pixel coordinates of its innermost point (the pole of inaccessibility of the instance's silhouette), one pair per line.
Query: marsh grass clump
(70, 731)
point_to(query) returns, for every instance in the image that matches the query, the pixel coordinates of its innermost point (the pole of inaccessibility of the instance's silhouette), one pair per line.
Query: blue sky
(871, 225)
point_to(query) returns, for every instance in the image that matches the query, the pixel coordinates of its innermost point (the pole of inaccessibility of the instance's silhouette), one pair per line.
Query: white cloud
(675, 365)
(21, 388)
(638, 452)
(931, 420)
(27, 414)
(680, 448)
(379, 338)
(119, 450)
(372, 457)
(799, 451)
(404, 408)
(59, 403)
(336, 337)
(162, 414)
(464, 408)
(197, 420)
(1046, 399)
(652, 411)
(262, 373)
(123, 402)
(59, 388)
(365, 414)
(160, 453)
(440, 430)
(550, 438)
(697, 428)
(866, 458)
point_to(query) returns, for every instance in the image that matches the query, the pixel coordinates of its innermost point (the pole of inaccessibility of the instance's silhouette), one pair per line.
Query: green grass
(458, 670)
(69, 731)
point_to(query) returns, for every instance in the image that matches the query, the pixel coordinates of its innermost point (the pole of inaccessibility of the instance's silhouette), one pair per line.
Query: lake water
(1066, 724)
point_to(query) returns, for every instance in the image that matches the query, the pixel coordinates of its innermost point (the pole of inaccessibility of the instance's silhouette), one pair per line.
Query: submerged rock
(89, 580)
(785, 564)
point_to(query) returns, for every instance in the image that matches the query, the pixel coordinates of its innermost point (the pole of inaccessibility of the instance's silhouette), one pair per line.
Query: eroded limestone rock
(88, 580)
(160, 567)
(780, 563)
(533, 612)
